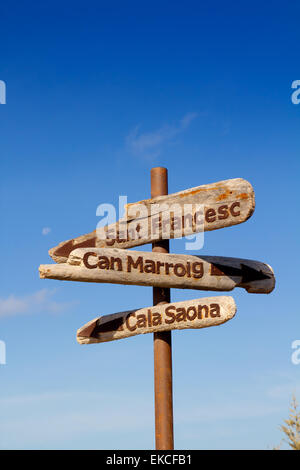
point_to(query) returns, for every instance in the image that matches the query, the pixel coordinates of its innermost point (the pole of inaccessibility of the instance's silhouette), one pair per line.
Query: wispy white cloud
(67, 419)
(40, 301)
(285, 390)
(148, 145)
(187, 119)
(229, 411)
(52, 419)
(46, 230)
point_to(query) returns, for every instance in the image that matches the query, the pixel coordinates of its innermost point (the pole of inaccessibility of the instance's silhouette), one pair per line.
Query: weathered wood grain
(203, 208)
(112, 265)
(199, 313)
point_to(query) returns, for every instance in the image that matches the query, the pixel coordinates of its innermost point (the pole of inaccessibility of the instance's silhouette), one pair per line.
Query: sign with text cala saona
(199, 313)
(112, 265)
(203, 208)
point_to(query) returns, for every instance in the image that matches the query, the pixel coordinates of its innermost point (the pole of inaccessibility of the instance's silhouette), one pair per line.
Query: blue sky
(98, 93)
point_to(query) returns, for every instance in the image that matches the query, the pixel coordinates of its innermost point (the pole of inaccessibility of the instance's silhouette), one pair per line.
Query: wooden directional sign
(203, 208)
(118, 266)
(199, 313)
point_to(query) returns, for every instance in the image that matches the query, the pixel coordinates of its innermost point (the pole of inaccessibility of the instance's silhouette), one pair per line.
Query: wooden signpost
(203, 208)
(102, 256)
(162, 340)
(199, 313)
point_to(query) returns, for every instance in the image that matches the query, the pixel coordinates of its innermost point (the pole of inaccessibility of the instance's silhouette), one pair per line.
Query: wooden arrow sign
(118, 266)
(203, 208)
(199, 313)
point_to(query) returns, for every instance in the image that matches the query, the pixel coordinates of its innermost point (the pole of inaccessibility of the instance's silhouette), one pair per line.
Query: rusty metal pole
(164, 438)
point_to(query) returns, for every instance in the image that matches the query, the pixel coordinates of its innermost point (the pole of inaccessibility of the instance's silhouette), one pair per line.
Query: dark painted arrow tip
(247, 273)
(250, 274)
(88, 331)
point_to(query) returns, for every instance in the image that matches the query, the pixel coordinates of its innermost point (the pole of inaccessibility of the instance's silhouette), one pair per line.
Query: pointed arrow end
(85, 333)
(256, 281)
